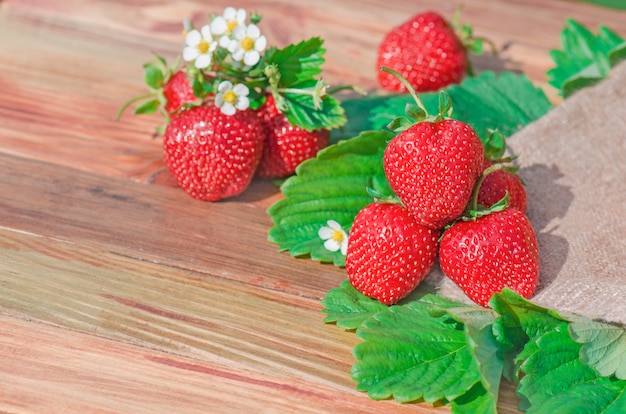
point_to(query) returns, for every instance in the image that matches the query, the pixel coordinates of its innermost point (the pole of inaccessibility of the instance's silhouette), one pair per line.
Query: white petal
(224, 42)
(230, 13)
(253, 31)
(242, 103)
(203, 61)
(233, 45)
(344, 246)
(260, 44)
(331, 245)
(218, 26)
(193, 38)
(241, 15)
(228, 109)
(334, 225)
(325, 233)
(206, 33)
(239, 32)
(225, 86)
(238, 54)
(251, 58)
(241, 90)
(219, 99)
(190, 53)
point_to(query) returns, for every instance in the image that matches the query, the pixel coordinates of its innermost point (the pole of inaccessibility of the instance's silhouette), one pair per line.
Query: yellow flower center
(247, 43)
(230, 97)
(337, 236)
(203, 46)
(230, 26)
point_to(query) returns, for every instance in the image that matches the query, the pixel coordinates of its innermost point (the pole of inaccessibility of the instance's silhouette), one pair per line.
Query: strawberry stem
(407, 85)
(382, 198)
(128, 103)
(473, 205)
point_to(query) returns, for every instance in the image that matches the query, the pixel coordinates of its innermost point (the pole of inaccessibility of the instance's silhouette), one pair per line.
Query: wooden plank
(205, 339)
(156, 306)
(50, 370)
(159, 224)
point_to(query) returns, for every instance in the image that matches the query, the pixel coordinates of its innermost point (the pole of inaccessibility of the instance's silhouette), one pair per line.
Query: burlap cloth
(573, 161)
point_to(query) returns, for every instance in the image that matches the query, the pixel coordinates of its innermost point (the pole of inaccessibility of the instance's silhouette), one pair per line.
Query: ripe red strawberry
(484, 255)
(177, 91)
(433, 167)
(497, 183)
(286, 145)
(212, 155)
(389, 253)
(426, 51)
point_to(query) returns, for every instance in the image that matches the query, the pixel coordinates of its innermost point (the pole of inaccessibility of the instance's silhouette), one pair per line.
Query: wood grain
(117, 296)
(90, 374)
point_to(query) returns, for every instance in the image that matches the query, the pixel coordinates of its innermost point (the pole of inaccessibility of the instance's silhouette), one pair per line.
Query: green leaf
(516, 312)
(301, 109)
(153, 75)
(348, 307)
(604, 346)
(483, 346)
(476, 400)
(617, 54)
(555, 379)
(614, 4)
(505, 102)
(585, 58)
(298, 62)
(409, 354)
(332, 186)
(519, 322)
(148, 107)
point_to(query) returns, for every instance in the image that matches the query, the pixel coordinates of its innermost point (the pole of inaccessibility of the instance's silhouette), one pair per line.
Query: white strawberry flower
(199, 47)
(246, 44)
(231, 98)
(225, 24)
(335, 237)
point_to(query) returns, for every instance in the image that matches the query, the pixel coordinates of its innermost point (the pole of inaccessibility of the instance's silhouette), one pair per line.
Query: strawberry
(389, 253)
(213, 155)
(286, 145)
(177, 91)
(497, 183)
(486, 254)
(426, 51)
(432, 167)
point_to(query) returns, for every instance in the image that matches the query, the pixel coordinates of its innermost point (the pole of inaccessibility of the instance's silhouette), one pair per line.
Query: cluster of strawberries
(214, 155)
(451, 202)
(225, 107)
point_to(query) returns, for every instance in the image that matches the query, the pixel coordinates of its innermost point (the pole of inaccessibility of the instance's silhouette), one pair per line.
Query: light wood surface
(121, 294)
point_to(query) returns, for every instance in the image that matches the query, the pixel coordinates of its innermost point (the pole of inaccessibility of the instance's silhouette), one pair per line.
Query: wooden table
(121, 294)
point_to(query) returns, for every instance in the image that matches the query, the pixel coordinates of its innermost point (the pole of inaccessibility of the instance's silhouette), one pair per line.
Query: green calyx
(475, 210)
(379, 197)
(156, 74)
(416, 112)
(471, 44)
